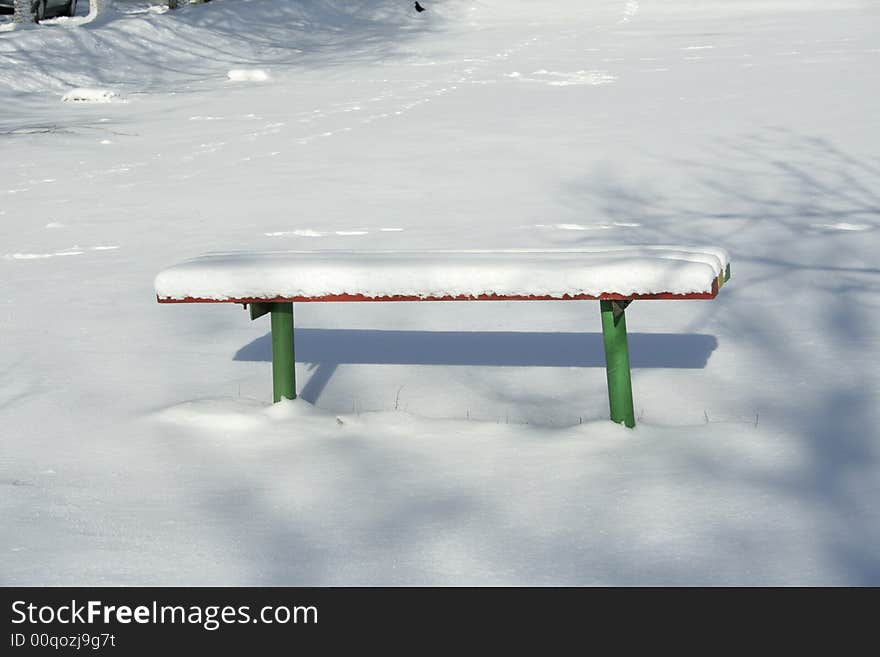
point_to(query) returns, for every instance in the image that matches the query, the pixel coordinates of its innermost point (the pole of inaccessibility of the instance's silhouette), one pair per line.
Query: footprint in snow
(565, 79)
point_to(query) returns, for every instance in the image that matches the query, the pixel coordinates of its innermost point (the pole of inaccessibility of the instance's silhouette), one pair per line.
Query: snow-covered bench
(271, 282)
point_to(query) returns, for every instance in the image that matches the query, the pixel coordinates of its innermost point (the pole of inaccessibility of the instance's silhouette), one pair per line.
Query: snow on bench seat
(631, 272)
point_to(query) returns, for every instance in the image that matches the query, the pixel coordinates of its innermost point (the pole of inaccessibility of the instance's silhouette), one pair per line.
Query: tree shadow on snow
(799, 215)
(200, 43)
(823, 496)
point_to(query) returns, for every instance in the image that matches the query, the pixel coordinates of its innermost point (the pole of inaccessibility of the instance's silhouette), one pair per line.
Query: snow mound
(557, 273)
(86, 95)
(241, 416)
(247, 75)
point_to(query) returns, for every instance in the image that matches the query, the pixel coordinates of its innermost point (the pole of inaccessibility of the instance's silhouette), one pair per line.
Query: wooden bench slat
(334, 298)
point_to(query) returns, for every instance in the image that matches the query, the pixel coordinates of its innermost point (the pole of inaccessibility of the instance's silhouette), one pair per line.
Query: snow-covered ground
(441, 443)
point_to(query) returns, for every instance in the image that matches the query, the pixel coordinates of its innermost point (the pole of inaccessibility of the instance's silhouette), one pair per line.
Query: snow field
(441, 443)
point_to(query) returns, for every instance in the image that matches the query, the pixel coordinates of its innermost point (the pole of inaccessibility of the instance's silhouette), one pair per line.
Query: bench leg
(620, 393)
(283, 367)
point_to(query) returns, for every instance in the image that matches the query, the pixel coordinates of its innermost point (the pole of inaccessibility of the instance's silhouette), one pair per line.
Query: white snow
(425, 274)
(844, 226)
(82, 95)
(247, 75)
(440, 443)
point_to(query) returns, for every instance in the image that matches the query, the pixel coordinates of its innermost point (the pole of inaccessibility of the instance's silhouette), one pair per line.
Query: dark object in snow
(419, 7)
(41, 9)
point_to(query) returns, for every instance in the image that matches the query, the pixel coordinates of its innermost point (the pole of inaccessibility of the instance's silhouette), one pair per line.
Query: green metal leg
(283, 369)
(620, 393)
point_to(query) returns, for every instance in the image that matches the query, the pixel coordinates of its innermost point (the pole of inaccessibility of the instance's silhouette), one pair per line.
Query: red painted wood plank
(608, 296)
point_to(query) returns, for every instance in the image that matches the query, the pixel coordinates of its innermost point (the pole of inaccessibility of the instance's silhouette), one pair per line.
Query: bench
(271, 282)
